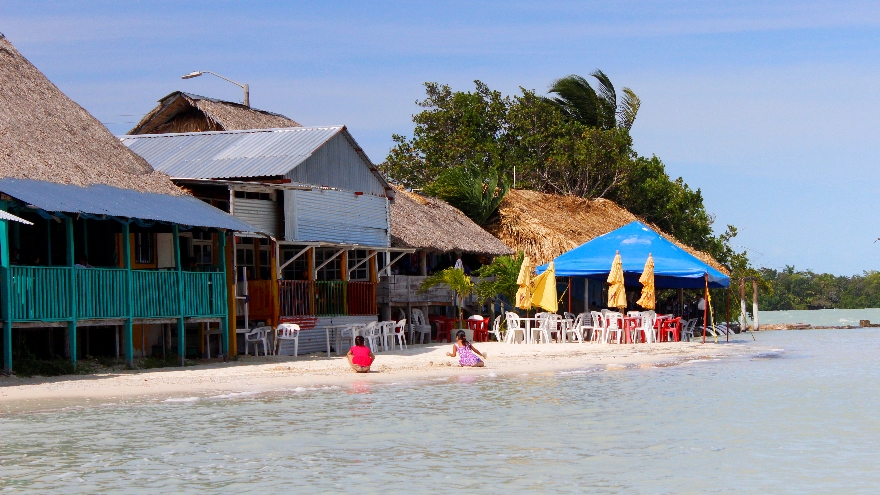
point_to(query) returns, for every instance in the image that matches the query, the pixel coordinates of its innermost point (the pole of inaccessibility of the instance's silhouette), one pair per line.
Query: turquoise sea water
(800, 418)
(827, 317)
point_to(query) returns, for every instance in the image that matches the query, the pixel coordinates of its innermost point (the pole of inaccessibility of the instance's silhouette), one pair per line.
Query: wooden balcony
(43, 294)
(327, 298)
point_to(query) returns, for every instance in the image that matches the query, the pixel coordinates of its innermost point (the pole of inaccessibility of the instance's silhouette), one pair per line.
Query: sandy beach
(265, 374)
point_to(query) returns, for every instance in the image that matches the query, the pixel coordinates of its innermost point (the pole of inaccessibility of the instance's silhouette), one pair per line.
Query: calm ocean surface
(829, 317)
(800, 419)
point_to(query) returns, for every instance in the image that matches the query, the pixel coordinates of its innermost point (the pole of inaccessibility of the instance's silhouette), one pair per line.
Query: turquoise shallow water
(828, 317)
(800, 419)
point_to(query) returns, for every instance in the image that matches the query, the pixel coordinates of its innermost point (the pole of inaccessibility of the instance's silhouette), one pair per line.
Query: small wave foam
(233, 395)
(182, 399)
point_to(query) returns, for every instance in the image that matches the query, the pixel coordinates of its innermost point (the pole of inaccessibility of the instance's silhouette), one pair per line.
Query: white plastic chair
(496, 329)
(373, 335)
(514, 327)
(398, 335)
(546, 325)
(598, 333)
(288, 331)
(614, 330)
(647, 327)
(387, 329)
(418, 326)
(257, 336)
(576, 330)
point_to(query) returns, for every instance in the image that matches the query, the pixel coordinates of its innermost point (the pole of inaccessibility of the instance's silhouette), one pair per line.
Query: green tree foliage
(805, 289)
(455, 280)
(474, 191)
(499, 278)
(600, 109)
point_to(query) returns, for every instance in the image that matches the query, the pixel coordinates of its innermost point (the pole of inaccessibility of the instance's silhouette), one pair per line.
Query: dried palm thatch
(46, 136)
(185, 112)
(435, 226)
(544, 226)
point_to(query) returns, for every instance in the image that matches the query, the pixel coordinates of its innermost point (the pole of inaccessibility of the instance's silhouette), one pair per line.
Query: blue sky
(770, 108)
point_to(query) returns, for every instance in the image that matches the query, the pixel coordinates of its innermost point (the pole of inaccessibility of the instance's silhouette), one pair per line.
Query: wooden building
(100, 265)
(321, 212)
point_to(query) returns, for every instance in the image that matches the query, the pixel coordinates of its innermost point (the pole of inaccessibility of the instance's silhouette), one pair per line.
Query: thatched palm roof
(185, 112)
(544, 226)
(432, 225)
(45, 136)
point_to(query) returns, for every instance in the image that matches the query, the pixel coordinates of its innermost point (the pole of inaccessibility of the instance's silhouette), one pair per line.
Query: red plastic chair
(671, 327)
(480, 329)
(444, 328)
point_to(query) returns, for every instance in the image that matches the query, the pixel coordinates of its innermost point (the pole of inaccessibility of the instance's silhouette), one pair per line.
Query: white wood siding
(336, 216)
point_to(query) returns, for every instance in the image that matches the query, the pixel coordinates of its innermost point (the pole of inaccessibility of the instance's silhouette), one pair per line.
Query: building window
(298, 269)
(202, 248)
(244, 255)
(362, 272)
(144, 248)
(333, 270)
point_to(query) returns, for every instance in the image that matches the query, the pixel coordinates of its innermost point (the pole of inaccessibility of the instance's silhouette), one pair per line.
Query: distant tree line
(804, 289)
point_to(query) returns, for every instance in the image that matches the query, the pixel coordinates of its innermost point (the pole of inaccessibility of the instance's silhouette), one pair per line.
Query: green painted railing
(40, 293)
(154, 294)
(330, 298)
(100, 293)
(204, 294)
(43, 293)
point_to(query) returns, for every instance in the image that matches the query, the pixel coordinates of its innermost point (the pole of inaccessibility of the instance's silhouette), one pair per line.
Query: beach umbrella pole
(705, 306)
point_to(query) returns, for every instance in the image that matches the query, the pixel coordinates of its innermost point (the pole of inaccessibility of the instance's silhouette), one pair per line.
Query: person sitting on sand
(360, 357)
(467, 354)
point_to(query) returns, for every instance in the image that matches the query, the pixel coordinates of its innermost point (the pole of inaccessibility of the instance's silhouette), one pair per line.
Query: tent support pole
(705, 306)
(727, 320)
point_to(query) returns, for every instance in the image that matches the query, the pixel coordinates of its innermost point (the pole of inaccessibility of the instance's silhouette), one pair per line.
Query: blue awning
(674, 267)
(101, 199)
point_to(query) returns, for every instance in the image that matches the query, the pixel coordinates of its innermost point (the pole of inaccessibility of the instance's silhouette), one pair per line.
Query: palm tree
(457, 281)
(477, 193)
(579, 101)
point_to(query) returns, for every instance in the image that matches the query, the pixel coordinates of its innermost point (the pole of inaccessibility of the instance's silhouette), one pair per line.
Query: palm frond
(477, 193)
(606, 89)
(576, 98)
(628, 109)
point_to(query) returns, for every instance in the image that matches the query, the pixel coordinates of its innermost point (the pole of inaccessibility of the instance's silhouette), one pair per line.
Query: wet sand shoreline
(265, 374)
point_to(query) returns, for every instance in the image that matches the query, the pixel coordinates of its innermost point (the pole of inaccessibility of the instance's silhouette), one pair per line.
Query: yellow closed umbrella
(544, 295)
(524, 281)
(616, 292)
(647, 301)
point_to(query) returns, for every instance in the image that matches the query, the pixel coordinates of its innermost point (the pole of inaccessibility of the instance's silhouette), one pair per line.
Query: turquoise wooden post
(7, 292)
(224, 321)
(49, 242)
(128, 338)
(181, 324)
(71, 325)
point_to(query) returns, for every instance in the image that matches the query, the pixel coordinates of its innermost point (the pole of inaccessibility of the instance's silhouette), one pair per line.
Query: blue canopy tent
(674, 268)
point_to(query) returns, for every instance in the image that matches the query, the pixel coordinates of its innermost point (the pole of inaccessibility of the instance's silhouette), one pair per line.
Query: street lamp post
(247, 92)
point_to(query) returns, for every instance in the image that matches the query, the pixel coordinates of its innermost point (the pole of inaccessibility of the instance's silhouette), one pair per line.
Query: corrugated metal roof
(101, 199)
(225, 154)
(5, 215)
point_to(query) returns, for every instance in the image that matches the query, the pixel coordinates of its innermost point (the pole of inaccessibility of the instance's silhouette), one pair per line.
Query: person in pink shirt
(360, 357)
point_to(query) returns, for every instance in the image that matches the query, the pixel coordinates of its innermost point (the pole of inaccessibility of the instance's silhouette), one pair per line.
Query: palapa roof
(186, 112)
(46, 136)
(433, 225)
(544, 226)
